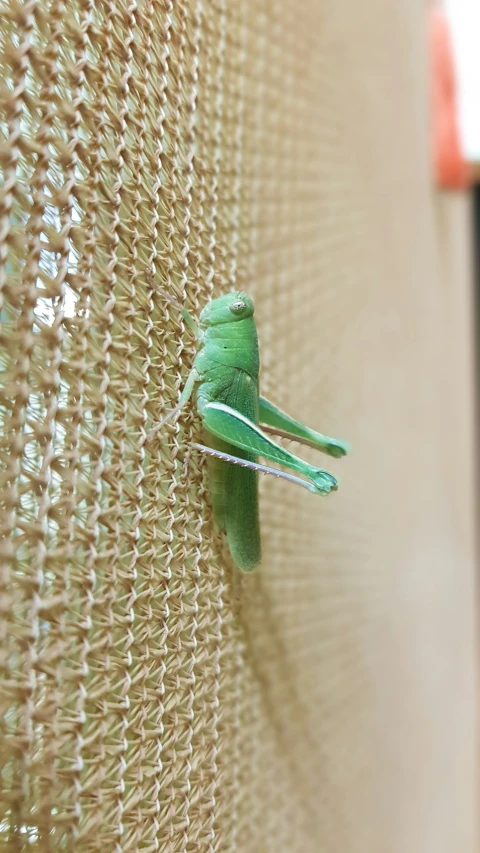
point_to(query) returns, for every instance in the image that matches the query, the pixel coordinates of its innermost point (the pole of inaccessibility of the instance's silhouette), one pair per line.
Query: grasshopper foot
(324, 482)
(336, 448)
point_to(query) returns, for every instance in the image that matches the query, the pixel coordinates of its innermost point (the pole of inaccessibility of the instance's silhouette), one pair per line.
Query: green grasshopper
(225, 379)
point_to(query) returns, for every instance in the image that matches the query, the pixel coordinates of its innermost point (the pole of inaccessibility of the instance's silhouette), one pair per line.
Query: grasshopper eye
(237, 307)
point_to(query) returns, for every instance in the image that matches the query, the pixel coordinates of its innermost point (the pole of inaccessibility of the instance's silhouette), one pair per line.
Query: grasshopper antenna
(183, 311)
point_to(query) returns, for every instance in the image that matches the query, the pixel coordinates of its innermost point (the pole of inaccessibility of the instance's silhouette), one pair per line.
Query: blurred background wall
(153, 698)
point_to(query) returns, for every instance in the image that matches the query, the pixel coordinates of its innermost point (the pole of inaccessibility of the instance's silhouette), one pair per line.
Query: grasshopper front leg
(187, 392)
(234, 428)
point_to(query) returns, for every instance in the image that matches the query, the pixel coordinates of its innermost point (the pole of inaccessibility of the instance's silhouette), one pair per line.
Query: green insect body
(225, 381)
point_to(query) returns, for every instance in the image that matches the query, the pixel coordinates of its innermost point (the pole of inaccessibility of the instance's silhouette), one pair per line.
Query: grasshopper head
(227, 309)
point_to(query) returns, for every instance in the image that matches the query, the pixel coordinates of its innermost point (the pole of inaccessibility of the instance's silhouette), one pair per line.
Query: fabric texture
(153, 699)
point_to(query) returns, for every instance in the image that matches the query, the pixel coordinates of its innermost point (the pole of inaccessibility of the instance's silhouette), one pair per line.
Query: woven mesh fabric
(153, 698)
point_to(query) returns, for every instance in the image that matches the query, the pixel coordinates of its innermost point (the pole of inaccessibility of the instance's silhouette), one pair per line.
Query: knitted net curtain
(154, 699)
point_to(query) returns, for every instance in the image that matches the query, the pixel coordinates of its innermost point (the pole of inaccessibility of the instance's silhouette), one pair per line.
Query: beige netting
(153, 698)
